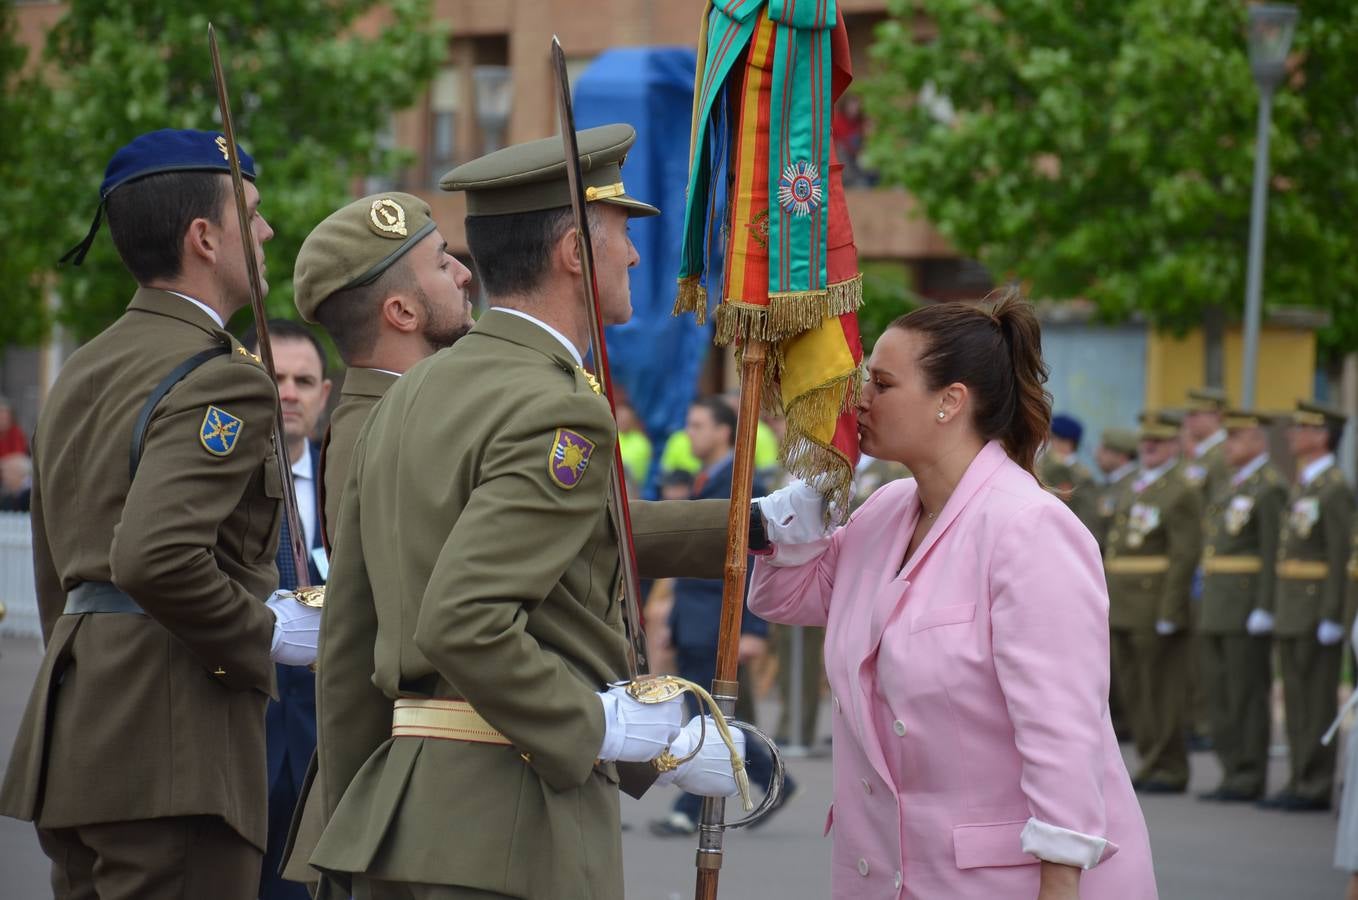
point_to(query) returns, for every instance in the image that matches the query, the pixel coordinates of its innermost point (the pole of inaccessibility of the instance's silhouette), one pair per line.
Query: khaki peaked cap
(531, 177)
(354, 245)
(1239, 419)
(1317, 415)
(1161, 425)
(1120, 440)
(1207, 400)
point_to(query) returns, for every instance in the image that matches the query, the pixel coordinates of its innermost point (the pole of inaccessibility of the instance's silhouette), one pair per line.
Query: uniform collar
(1149, 477)
(1249, 469)
(1122, 471)
(171, 304)
(1215, 438)
(1316, 468)
(363, 382)
(518, 328)
(565, 341)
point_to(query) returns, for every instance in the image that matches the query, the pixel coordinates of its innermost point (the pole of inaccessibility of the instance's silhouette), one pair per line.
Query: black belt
(100, 597)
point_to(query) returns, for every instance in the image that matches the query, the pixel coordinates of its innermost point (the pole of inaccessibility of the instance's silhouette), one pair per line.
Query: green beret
(1120, 440)
(355, 245)
(530, 177)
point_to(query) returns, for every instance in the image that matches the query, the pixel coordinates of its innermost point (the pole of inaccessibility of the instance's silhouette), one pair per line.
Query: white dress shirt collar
(1122, 471)
(203, 306)
(1148, 477)
(1249, 469)
(1215, 438)
(1314, 469)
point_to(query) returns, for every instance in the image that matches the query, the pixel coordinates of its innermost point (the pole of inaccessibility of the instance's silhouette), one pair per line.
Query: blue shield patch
(220, 431)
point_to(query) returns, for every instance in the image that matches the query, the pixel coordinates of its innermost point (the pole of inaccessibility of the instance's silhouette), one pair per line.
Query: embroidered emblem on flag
(799, 190)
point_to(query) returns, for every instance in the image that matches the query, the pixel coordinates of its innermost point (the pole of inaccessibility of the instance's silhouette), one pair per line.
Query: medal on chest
(1141, 521)
(1238, 514)
(1304, 516)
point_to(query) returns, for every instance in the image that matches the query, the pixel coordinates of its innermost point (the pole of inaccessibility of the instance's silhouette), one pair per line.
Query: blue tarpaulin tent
(655, 357)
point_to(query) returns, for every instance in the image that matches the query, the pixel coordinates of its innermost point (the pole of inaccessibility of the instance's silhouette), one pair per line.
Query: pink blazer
(971, 729)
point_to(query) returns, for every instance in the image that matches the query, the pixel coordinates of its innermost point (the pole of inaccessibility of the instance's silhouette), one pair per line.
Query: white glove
(1260, 622)
(1329, 633)
(794, 514)
(709, 773)
(638, 732)
(1165, 628)
(296, 629)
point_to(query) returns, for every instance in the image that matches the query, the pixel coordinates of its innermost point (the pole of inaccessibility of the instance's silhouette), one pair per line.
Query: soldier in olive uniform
(1062, 473)
(1204, 437)
(1153, 548)
(473, 620)
(1308, 625)
(377, 276)
(1116, 457)
(1243, 527)
(155, 520)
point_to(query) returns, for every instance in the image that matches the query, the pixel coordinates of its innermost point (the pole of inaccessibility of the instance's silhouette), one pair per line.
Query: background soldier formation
(1217, 565)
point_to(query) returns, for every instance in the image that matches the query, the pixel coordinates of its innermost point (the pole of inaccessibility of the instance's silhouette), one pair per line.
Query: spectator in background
(12, 438)
(695, 619)
(634, 445)
(16, 484)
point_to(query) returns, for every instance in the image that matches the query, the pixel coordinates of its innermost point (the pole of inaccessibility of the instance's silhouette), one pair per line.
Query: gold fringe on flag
(691, 297)
(785, 315)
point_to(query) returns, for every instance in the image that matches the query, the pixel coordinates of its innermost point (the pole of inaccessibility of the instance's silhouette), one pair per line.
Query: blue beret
(167, 150)
(171, 150)
(1067, 427)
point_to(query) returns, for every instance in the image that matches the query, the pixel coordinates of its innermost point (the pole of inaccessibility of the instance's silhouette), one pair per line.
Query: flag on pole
(769, 73)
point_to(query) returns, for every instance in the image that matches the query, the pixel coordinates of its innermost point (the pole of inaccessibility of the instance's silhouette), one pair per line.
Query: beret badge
(388, 217)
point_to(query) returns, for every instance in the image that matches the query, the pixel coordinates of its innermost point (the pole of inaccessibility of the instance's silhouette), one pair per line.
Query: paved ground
(1202, 851)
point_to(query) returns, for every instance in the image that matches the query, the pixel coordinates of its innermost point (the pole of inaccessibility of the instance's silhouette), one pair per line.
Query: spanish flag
(769, 73)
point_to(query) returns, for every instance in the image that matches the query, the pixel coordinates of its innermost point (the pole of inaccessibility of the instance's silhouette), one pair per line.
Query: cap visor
(635, 208)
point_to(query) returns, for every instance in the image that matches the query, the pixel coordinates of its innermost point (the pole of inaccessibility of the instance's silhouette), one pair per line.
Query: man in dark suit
(695, 617)
(290, 722)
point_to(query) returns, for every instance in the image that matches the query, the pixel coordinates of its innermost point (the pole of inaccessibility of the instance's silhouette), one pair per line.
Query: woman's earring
(942, 415)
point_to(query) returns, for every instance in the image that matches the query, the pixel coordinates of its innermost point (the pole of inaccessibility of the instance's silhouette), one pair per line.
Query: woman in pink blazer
(967, 637)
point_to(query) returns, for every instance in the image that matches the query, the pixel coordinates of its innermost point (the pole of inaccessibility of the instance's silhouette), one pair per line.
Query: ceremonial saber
(637, 663)
(294, 520)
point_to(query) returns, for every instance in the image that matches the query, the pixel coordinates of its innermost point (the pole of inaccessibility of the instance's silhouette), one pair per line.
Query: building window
(470, 102)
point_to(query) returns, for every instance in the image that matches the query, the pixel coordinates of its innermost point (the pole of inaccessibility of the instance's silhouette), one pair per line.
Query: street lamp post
(1271, 27)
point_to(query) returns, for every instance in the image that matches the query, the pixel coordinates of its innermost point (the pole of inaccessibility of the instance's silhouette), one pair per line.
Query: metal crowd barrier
(16, 578)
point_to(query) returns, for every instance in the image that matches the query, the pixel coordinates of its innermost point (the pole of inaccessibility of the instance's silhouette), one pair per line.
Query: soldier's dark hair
(148, 217)
(286, 330)
(722, 414)
(511, 252)
(351, 316)
(994, 347)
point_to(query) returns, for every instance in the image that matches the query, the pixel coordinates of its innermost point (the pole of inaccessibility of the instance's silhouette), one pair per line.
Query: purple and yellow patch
(571, 452)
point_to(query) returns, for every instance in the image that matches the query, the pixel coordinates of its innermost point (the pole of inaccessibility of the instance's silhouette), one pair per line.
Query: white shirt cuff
(789, 555)
(1061, 845)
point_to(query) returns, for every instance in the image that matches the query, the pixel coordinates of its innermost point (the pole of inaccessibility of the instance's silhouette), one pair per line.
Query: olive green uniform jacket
(470, 565)
(1210, 472)
(1152, 551)
(1073, 483)
(1107, 505)
(362, 389)
(1313, 554)
(163, 714)
(1244, 524)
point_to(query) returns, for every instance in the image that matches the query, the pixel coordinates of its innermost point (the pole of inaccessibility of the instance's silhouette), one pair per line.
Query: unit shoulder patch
(569, 457)
(220, 431)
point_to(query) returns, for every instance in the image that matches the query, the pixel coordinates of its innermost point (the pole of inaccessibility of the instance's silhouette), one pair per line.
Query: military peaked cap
(1120, 440)
(1207, 400)
(530, 177)
(354, 245)
(1160, 425)
(1317, 415)
(1236, 419)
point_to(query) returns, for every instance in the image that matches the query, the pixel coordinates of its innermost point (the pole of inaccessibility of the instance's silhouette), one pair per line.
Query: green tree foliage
(311, 95)
(1104, 149)
(25, 225)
